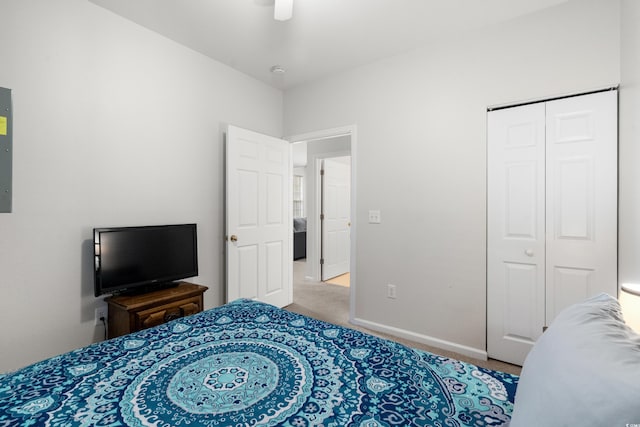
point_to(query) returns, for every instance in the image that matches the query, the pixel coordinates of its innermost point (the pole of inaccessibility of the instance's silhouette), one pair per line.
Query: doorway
(317, 147)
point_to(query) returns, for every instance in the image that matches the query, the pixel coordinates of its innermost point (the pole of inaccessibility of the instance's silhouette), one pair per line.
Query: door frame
(350, 130)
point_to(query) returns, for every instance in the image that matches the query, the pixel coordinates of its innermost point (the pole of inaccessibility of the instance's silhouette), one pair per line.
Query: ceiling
(323, 37)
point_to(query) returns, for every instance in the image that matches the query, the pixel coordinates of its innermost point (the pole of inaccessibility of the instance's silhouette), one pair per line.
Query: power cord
(104, 323)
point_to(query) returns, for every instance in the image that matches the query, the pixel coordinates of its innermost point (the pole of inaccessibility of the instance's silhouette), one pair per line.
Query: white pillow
(583, 371)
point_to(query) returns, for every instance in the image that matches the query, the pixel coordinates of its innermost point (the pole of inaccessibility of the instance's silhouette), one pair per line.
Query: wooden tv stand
(131, 313)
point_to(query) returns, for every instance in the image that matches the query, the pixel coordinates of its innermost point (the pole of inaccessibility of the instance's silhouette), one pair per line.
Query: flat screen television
(141, 259)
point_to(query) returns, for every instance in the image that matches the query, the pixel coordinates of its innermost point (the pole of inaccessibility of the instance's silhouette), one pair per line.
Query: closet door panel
(581, 199)
(515, 231)
(574, 201)
(571, 285)
(521, 286)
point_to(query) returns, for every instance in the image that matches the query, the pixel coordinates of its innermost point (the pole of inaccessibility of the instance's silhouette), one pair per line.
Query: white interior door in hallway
(258, 217)
(551, 214)
(336, 211)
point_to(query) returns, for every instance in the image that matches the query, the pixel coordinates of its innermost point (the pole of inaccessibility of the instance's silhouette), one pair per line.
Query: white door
(582, 199)
(515, 231)
(336, 202)
(551, 215)
(258, 218)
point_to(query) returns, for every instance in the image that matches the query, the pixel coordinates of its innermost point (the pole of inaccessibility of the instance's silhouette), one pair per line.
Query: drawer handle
(189, 309)
(154, 319)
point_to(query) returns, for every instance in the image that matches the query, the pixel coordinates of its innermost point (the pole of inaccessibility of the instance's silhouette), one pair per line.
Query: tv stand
(134, 312)
(147, 288)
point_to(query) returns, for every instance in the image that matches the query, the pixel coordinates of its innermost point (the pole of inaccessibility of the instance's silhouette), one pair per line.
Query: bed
(246, 364)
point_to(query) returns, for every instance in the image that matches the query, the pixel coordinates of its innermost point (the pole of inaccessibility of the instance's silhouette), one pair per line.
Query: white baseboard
(423, 339)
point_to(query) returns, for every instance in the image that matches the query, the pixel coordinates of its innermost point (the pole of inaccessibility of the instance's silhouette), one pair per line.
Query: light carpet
(330, 303)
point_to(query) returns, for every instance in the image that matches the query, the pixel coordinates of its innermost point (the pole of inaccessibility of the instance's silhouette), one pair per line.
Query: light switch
(374, 217)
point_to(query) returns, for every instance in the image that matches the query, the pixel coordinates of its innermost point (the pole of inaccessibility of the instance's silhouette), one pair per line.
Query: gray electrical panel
(6, 149)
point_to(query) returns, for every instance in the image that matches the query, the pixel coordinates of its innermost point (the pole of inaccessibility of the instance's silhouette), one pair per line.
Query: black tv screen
(130, 259)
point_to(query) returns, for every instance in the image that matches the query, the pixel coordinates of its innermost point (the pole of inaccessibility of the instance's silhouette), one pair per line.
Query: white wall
(421, 120)
(114, 125)
(299, 154)
(629, 217)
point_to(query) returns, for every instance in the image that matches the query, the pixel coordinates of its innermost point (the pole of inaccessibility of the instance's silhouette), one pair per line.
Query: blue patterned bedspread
(248, 364)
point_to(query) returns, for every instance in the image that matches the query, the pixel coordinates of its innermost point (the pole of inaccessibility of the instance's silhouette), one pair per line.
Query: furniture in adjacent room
(299, 238)
(131, 313)
(551, 214)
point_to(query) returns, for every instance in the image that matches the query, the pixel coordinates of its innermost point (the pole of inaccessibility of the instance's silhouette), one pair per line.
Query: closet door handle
(528, 252)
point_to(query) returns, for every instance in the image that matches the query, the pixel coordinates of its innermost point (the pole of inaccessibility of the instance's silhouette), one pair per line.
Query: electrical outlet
(375, 217)
(391, 291)
(100, 312)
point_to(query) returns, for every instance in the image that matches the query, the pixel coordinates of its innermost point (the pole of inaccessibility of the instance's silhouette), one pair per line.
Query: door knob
(529, 252)
(233, 238)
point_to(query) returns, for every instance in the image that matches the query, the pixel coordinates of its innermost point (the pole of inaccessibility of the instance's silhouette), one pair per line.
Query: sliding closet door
(582, 199)
(515, 231)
